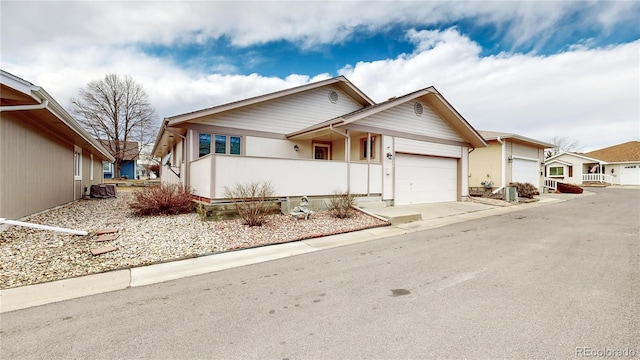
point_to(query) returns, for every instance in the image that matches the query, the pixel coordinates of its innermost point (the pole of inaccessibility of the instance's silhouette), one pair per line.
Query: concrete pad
(40, 294)
(328, 242)
(206, 264)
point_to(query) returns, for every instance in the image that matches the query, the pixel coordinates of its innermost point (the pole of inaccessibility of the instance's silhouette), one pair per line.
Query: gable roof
(625, 152)
(430, 95)
(130, 148)
(341, 81)
(17, 94)
(494, 135)
(578, 155)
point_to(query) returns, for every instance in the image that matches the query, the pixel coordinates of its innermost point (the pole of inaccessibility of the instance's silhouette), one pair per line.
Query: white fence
(603, 178)
(551, 184)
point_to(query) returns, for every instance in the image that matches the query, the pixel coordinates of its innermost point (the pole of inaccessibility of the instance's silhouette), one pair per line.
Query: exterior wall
(128, 169)
(485, 165)
(426, 148)
(36, 168)
(403, 118)
(167, 175)
(287, 114)
(578, 169)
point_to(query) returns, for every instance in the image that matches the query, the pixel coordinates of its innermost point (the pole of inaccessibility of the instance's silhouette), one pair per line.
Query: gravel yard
(30, 256)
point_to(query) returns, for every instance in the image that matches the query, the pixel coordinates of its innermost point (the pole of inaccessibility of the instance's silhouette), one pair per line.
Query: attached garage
(425, 179)
(630, 175)
(525, 171)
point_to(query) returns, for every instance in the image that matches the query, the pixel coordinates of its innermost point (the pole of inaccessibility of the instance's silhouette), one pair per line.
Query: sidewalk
(433, 216)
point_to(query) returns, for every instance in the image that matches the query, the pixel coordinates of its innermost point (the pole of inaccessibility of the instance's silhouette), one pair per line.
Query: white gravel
(30, 256)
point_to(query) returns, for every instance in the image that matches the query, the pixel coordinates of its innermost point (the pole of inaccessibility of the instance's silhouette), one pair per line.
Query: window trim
(556, 167)
(212, 142)
(372, 148)
(321, 144)
(77, 162)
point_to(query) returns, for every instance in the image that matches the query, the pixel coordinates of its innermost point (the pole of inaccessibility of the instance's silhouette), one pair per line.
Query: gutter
(348, 155)
(504, 165)
(40, 106)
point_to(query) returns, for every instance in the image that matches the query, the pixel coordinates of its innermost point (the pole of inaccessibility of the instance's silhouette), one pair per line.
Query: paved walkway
(433, 215)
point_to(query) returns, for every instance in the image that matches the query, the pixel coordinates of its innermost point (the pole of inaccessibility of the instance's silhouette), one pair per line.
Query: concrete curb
(66, 289)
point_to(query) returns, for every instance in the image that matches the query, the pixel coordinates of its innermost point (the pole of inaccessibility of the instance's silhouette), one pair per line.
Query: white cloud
(589, 94)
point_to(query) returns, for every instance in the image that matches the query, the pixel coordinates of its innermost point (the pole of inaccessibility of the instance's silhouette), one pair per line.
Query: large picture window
(222, 144)
(556, 171)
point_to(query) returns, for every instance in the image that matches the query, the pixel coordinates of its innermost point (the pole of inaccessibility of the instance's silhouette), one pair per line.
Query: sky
(540, 69)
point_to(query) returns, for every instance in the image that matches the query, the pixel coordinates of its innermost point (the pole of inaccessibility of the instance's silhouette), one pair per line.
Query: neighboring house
(46, 158)
(320, 138)
(129, 164)
(508, 158)
(618, 164)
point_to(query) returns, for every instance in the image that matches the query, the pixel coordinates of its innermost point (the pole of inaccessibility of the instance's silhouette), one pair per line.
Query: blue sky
(541, 69)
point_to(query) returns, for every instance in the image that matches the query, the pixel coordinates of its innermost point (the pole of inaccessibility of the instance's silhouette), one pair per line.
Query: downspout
(504, 165)
(185, 154)
(347, 155)
(40, 106)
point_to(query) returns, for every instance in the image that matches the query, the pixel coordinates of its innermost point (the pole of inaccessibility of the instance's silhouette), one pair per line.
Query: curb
(66, 289)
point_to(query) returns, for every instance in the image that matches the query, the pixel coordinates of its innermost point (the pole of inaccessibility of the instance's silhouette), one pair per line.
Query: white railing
(551, 184)
(603, 178)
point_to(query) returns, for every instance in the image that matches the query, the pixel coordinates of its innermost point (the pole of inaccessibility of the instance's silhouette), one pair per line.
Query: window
(322, 151)
(222, 144)
(106, 166)
(556, 171)
(77, 163)
(204, 145)
(364, 148)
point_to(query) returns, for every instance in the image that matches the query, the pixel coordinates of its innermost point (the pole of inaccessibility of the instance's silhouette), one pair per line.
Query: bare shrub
(525, 190)
(340, 204)
(164, 199)
(251, 201)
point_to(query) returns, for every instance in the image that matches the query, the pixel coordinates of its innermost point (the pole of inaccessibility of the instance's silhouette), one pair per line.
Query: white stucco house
(323, 137)
(508, 158)
(613, 165)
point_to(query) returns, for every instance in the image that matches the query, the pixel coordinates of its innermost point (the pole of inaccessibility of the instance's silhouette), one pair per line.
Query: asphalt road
(556, 281)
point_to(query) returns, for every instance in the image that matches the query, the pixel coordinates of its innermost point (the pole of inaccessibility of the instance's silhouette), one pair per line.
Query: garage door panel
(630, 175)
(525, 171)
(425, 179)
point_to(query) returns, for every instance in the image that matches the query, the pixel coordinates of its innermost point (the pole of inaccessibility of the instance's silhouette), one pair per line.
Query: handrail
(603, 178)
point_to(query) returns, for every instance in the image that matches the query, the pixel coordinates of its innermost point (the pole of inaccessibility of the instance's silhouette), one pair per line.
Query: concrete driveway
(558, 281)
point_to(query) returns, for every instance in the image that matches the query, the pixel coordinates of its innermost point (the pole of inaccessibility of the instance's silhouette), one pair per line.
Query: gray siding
(287, 114)
(36, 168)
(404, 119)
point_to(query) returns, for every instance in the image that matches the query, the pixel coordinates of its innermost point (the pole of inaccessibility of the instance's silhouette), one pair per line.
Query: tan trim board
(228, 130)
(371, 129)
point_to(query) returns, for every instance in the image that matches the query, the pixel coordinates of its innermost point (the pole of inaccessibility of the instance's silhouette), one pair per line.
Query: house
(46, 158)
(507, 158)
(323, 137)
(130, 157)
(613, 165)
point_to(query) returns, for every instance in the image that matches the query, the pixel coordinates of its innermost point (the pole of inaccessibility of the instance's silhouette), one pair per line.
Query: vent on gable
(333, 96)
(417, 107)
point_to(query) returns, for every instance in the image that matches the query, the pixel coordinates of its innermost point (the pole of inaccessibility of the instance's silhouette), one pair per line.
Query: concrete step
(371, 204)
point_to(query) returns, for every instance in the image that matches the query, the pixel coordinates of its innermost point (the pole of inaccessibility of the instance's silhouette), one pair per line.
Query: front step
(371, 204)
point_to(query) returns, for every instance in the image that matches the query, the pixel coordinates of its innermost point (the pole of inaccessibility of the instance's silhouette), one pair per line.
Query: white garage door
(525, 171)
(425, 179)
(630, 175)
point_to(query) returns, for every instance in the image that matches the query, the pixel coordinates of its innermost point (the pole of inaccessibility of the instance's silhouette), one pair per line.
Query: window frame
(227, 144)
(77, 163)
(321, 144)
(363, 148)
(551, 168)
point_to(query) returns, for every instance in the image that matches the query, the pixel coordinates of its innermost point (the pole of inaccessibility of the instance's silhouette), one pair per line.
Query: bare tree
(563, 144)
(117, 111)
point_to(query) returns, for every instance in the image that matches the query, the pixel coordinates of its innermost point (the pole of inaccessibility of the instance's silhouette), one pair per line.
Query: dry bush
(569, 188)
(251, 200)
(340, 204)
(525, 190)
(164, 199)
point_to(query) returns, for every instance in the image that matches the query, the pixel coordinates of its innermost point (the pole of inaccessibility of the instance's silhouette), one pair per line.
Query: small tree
(562, 145)
(340, 204)
(116, 110)
(251, 201)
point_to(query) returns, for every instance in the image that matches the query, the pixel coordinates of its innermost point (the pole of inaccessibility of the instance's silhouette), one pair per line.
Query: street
(555, 281)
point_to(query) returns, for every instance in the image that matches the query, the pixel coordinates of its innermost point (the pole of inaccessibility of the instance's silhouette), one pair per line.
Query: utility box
(511, 194)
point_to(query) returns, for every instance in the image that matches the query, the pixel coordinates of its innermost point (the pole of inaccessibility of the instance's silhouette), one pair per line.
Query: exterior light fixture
(389, 155)
(510, 159)
(296, 147)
